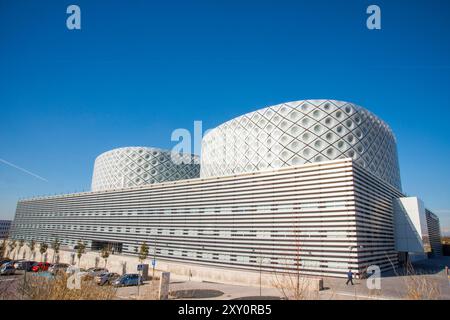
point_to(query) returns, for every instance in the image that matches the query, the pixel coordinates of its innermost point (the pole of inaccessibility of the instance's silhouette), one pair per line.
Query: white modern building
(311, 185)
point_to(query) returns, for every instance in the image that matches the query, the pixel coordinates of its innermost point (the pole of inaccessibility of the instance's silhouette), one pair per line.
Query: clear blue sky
(139, 69)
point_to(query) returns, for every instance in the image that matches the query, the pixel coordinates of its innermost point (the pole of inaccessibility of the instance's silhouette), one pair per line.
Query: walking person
(349, 277)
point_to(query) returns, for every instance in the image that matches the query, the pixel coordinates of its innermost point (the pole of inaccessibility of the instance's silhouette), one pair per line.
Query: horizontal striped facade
(434, 231)
(322, 218)
(374, 220)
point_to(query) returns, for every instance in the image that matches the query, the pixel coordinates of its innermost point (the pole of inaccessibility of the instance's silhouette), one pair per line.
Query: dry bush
(419, 286)
(55, 288)
(294, 286)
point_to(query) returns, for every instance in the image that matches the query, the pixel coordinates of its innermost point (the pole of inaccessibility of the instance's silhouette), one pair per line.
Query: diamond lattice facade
(136, 166)
(301, 132)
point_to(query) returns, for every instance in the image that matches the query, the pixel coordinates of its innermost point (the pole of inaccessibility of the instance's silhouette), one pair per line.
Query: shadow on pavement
(196, 294)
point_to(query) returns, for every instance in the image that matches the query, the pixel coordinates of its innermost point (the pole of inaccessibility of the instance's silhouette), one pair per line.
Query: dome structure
(300, 132)
(136, 166)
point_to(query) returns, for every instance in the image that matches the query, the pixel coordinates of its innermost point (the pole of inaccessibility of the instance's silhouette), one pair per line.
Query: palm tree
(106, 251)
(55, 246)
(12, 245)
(43, 249)
(21, 243)
(32, 245)
(81, 249)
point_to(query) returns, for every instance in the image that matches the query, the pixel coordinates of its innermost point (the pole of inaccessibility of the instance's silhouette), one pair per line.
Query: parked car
(17, 262)
(40, 266)
(129, 279)
(7, 263)
(4, 260)
(58, 267)
(93, 272)
(72, 269)
(25, 265)
(106, 278)
(7, 270)
(30, 267)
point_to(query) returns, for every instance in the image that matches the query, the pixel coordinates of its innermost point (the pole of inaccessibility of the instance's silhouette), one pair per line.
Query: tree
(55, 246)
(21, 243)
(12, 245)
(81, 249)
(32, 245)
(290, 281)
(3, 248)
(106, 251)
(143, 252)
(43, 249)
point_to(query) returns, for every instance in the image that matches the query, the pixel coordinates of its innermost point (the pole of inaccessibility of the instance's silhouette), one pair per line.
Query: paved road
(9, 287)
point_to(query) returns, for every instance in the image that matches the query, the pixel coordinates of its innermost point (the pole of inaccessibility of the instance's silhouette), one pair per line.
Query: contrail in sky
(22, 169)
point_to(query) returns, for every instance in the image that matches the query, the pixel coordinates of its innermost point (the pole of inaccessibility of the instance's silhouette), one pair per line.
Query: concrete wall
(411, 232)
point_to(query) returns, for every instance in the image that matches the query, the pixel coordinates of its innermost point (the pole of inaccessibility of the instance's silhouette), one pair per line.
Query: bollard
(164, 286)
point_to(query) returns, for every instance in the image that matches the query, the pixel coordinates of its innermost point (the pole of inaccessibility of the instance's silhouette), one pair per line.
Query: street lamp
(154, 260)
(259, 260)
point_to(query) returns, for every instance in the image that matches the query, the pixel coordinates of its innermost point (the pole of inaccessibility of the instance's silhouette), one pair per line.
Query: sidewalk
(430, 281)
